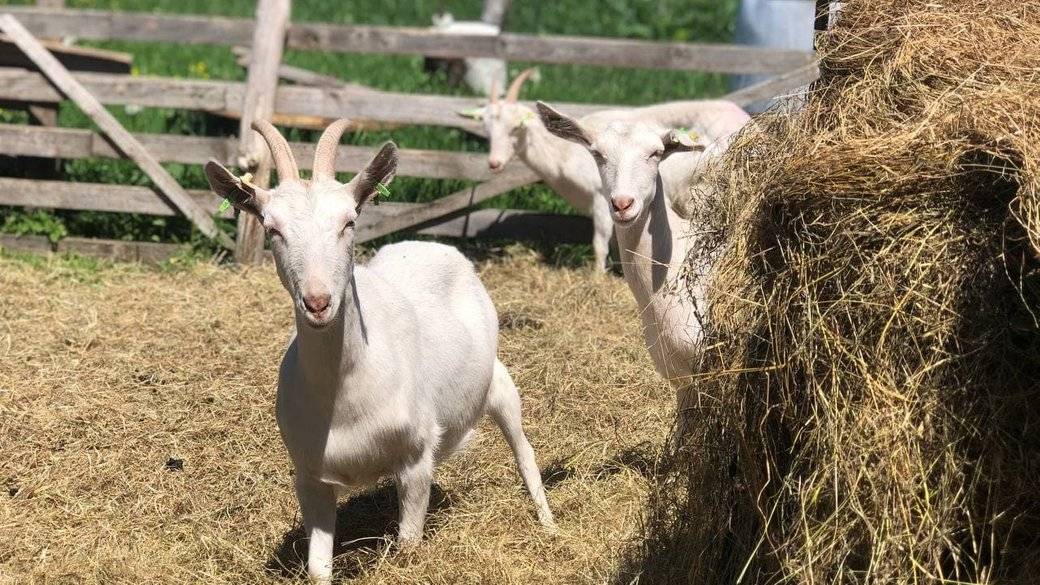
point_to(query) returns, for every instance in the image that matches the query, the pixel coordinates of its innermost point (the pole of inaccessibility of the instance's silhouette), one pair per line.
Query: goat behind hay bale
(870, 408)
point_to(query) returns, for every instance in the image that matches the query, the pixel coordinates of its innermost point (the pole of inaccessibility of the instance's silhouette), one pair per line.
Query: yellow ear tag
(528, 116)
(224, 205)
(247, 180)
(691, 133)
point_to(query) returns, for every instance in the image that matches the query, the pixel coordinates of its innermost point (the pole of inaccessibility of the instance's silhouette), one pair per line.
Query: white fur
(515, 130)
(481, 73)
(640, 161)
(394, 374)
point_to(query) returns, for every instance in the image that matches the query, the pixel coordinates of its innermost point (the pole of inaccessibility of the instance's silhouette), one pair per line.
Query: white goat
(479, 73)
(393, 363)
(515, 130)
(635, 161)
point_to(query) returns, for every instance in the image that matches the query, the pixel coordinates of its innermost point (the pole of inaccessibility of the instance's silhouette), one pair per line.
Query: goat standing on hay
(515, 130)
(634, 159)
(393, 363)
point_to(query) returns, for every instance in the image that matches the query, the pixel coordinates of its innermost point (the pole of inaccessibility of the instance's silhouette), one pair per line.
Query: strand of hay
(870, 404)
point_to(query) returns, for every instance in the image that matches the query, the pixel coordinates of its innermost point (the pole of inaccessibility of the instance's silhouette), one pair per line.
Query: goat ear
(379, 172)
(241, 194)
(679, 141)
(563, 126)
(472, 113)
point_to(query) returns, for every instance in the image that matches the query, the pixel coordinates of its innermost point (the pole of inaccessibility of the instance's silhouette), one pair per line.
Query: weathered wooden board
(484, 223)
(302, 76)
(102, 25)
(98, 197)
(69, 143)
(512, 224)
(306, 77)
(73, 58)
(508, 224)
(115, 250)
(218, 96)
(34, 244)
(118, 250)
(61, 78)
(446, 206)
(144, 200)
(323, 102)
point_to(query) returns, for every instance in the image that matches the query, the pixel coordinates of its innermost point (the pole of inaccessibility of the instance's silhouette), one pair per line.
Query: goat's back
(455, 326)
(438, 280)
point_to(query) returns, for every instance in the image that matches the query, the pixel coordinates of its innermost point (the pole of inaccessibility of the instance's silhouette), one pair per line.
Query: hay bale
(870, 402)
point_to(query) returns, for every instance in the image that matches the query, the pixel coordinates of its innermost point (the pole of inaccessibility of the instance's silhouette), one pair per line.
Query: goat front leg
(413, 498)
(318, 506)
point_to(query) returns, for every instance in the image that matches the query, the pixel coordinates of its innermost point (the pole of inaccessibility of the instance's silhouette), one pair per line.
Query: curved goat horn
(284, 163)
(514, 90)
(325, 152)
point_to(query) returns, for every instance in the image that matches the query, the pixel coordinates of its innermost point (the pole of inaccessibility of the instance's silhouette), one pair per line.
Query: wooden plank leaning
(63, 80)
(272, 19)
(448, 205)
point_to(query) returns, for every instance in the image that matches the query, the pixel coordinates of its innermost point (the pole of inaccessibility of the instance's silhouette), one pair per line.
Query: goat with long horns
(393, 364)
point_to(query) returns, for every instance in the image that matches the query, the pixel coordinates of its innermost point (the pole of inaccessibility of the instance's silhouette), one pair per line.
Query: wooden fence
(316, 98)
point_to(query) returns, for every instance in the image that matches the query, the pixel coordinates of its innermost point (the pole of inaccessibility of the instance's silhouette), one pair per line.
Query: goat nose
(494, 164)
(317, 302)
(622, 202)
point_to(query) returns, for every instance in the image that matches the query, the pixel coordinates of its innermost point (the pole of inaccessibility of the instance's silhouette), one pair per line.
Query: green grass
(684, 20)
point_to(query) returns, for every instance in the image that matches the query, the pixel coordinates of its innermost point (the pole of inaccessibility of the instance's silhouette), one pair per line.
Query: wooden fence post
(272, 21)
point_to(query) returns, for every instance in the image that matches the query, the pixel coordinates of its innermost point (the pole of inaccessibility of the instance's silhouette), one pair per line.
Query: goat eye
(348, 225)
(274, 233)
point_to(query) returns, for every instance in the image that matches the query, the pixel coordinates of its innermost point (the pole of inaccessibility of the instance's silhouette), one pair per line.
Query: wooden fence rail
(371, 224)
(222, 96)
(70, 143)
(108, 25)
(400, 108)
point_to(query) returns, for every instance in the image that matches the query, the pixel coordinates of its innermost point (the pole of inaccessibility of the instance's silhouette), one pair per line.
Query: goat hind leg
(504, 408)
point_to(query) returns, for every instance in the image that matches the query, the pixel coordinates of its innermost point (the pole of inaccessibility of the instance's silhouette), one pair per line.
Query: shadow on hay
(365, 525)
(641, 458)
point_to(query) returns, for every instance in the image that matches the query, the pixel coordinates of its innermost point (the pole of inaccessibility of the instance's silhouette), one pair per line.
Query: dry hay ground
(108, 375)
